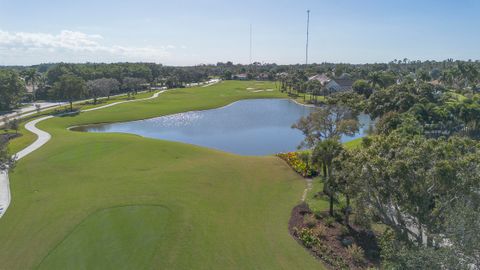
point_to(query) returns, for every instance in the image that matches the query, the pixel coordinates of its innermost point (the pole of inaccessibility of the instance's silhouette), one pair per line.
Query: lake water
(246, 127)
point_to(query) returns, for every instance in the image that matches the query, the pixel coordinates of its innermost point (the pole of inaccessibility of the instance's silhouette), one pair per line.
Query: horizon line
(243, 64)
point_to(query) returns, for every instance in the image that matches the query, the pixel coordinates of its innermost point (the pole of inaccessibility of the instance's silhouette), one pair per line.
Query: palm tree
(323, 154)
(375, 78)
(447, 78)
(31, 76)
(423, 76)
(314, 87)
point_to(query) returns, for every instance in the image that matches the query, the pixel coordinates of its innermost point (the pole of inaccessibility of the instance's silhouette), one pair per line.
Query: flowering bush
(307, 237)
(293, 160)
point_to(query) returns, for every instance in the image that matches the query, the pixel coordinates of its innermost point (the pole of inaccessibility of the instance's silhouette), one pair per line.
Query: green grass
(315, 202)
(321, 203)
(353, 144)
(307, 100)
(119, 201)
(27, 137)
(318, 202)
(123, 227)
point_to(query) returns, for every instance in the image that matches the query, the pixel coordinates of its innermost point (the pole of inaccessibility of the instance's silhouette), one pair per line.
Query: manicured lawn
(308, 99)
(118, 201)
(353, 144)
(315, 202)
(27, 137)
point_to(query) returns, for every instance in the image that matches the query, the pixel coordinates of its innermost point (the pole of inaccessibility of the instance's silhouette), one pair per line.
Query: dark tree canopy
(70, 88)
(12, 89)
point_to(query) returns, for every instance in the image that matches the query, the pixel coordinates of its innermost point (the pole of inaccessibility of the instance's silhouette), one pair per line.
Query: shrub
(344, 230)
(294, 160)
(389, 250)
(310, 221)
(307, 237)
(320, 232)
(338, 217)
(356, 253)
(329, 256)
(362, 217)
(329, 221)
(318, 215)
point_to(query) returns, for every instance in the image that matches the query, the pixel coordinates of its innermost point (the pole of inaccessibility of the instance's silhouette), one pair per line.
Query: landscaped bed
(337, 245)
(328, 238)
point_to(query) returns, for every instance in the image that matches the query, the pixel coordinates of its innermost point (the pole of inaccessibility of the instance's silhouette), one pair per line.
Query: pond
(246, 127)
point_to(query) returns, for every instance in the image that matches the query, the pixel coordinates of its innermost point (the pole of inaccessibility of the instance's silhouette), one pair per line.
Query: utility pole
(250, 57)
(306, 47)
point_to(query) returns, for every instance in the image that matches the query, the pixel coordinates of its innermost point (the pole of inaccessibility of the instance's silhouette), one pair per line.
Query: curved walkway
(42, 138)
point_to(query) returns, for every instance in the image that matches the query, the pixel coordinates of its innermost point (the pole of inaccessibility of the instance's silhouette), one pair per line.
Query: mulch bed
(330, 250)
(9, 136)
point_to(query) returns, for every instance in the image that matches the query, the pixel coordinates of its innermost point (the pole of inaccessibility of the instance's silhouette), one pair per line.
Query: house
(263, 76)
(341, 84)
(29, 87)
(241, 76)
(322, 78)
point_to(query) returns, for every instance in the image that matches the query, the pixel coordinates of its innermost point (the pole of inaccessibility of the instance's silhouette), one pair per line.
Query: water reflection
(247, 127)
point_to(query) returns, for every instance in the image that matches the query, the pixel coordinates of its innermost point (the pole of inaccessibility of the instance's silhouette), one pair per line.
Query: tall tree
(70, 88)
(12, 89)
(327, 122)
(32, 77)
(314, 87)
(346, 180)
(131, 84)
(323, 155)
(362, 87)
(102, 87)
(323, 129)
(409, 182)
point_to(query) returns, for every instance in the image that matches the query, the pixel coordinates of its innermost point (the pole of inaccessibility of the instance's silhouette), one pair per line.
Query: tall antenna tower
(306, 47)
(250, 56)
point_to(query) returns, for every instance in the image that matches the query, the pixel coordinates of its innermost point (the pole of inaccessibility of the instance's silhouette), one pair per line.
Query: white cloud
(71, 46)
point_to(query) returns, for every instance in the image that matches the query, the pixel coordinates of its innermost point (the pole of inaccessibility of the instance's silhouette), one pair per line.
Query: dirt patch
(329, 240)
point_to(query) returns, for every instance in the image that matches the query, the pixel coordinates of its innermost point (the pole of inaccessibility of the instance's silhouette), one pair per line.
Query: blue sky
(187, 32)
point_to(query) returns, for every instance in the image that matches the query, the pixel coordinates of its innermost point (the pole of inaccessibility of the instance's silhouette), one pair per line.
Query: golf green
(118, 201)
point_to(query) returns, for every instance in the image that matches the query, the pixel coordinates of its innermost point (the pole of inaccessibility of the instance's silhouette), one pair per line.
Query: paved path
(25, 113)
(30, 107)
(307, 189)
(42, 138)
(31, 110)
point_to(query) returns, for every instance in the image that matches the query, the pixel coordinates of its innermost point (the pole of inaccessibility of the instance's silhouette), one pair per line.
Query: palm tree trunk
(330, 189)
(347, 210)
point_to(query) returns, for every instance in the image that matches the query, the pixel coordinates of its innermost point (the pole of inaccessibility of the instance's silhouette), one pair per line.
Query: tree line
(41, 79)
(418, 173)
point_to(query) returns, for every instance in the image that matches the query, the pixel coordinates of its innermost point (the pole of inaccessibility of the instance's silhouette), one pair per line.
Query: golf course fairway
(119, 201)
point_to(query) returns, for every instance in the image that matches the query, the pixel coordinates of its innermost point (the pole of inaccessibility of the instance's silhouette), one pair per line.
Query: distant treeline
(29, 83)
